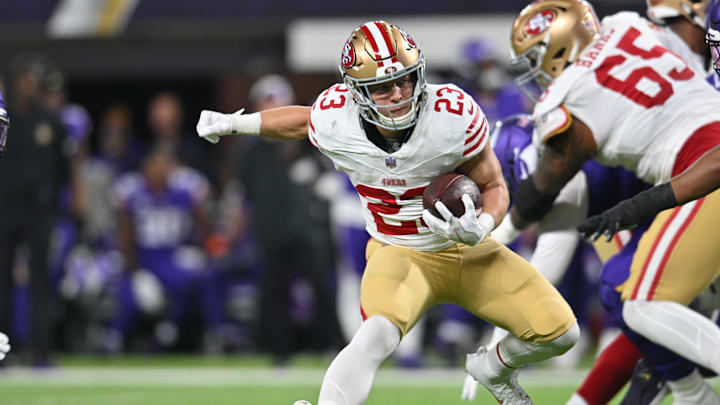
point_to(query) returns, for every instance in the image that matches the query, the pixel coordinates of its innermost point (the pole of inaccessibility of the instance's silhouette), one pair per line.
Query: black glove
(629, 213)
(531, 204)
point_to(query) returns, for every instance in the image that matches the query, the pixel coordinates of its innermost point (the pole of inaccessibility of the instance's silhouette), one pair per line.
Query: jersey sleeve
(462, 118)
(476, 133)
(329, 103)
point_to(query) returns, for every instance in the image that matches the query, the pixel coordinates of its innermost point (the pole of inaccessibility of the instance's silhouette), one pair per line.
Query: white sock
(678, 328)
(576, 399)
(693, 390)
(349, 377)
(498, 334)
(511, 352)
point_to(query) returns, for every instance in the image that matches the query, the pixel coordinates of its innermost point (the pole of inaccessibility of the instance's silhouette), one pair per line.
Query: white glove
(470, 228)
(4, 345)
(469, 388)
(212, 125)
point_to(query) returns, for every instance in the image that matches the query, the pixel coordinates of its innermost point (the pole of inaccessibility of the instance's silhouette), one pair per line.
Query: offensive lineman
(392, 133)
(617, 95)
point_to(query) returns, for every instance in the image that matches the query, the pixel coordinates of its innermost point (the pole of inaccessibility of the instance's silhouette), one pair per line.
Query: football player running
(614, 93)
(392, 133)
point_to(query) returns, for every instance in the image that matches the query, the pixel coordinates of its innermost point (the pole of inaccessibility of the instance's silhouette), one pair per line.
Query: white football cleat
(505, 389)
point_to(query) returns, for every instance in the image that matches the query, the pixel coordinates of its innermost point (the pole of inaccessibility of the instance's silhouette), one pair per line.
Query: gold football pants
(489, 280)
(679, 255)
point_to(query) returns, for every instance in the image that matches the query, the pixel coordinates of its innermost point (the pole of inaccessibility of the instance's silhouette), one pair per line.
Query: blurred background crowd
(123, 232)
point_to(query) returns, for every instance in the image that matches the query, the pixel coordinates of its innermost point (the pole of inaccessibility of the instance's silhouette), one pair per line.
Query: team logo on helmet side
(539, 23)
(348, 55)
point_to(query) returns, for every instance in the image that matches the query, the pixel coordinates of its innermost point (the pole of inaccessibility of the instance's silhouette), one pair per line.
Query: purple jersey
(162, 221)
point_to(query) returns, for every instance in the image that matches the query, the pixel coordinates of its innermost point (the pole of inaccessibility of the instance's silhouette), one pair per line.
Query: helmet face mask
(379, 53)
(548, 36)
(534, 81)
(659, 11)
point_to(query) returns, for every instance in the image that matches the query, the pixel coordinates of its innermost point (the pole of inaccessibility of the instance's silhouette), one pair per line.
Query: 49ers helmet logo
(348, 55)
(539, 23)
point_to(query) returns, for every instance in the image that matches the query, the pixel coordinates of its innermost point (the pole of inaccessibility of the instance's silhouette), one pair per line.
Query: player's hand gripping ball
(449, 189)
(451, 205)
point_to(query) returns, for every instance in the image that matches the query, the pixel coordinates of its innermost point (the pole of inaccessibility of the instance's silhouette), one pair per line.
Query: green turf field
(198, 381)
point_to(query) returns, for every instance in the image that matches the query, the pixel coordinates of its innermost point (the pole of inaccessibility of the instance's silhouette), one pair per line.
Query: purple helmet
(712, 38)
(479, 50)
(4, 123)
(77, 121)
(509, 138)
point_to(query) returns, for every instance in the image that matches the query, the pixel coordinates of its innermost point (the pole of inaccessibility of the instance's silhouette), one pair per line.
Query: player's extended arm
(485, 170)
(562, 157)
(699, 180)
(289, 122)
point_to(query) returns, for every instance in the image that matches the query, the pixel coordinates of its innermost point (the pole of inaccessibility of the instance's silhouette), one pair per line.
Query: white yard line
(222, 377)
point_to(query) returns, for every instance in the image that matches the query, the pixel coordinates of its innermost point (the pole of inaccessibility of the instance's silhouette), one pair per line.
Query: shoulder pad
(550, 124)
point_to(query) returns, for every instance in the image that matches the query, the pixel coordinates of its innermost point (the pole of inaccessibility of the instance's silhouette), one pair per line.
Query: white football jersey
(640, 100)
(673, 42)
(450, 130)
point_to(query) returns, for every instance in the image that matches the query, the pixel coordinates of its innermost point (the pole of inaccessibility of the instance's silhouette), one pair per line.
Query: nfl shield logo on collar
(390, 162)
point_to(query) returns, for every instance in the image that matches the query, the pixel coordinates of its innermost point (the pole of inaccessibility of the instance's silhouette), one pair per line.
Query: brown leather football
(449, 189)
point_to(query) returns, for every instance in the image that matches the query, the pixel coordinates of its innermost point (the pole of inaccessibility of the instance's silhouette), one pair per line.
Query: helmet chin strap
(397, 122)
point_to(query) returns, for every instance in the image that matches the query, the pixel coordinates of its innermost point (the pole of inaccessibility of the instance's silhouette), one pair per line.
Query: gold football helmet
(378, 52)
(658, 11)
(548, 36)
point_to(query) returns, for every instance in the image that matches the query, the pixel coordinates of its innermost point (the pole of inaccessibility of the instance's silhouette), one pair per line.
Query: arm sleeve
(558, 238)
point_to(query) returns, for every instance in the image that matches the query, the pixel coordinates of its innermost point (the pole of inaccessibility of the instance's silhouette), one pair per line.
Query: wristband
(242, 124)
(486, 222)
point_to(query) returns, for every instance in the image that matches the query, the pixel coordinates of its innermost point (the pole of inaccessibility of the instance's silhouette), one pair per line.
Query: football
(449, 189)
(301, 402)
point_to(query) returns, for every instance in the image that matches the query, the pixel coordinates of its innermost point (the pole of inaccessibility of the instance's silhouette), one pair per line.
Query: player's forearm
(699, 180)
(285, 122)
(496, 201)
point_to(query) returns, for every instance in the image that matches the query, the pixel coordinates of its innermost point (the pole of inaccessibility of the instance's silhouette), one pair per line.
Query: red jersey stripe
(482, 138)
(475, 119)
(469, 140)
